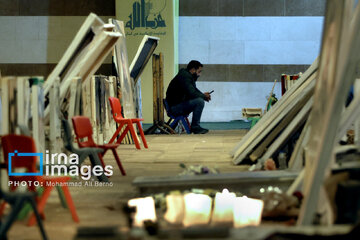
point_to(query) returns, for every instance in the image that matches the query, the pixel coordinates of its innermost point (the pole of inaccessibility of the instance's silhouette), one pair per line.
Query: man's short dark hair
(194, 64)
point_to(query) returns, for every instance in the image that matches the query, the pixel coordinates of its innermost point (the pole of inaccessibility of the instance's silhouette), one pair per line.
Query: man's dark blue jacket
(182, 88)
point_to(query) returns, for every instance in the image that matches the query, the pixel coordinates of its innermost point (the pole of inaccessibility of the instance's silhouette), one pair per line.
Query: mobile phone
(211, 91)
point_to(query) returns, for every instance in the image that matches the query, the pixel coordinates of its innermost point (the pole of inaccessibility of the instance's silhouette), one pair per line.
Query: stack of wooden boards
(280, 122)
(22, 105)
(91, 99)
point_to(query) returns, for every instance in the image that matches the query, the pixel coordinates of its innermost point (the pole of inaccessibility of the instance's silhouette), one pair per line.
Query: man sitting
(183, 97)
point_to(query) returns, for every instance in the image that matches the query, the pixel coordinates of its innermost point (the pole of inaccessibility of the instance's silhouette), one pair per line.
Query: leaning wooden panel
(113, 90)
(142, 56)
(285, 122)
(108, 116)
(269, 138)
(86, 101)
(12, 105)
(73, 93)
(273, 112)
(4, 105)
(263, 130)
(91, 26)
(37, 112)
(55, 141)
(20, 99)
(138, 64)
(155, 69)
(161, 87)
(122, 66)
(93, 107)
(86, 64)
(289, 130)
(339, 56)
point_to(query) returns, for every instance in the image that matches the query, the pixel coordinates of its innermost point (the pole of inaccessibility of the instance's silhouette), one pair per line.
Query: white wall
(250, 40)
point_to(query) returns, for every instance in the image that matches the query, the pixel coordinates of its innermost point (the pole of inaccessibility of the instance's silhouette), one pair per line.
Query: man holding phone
(184, 98)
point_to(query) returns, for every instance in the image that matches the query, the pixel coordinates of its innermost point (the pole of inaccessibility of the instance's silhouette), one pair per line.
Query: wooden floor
(102, 206)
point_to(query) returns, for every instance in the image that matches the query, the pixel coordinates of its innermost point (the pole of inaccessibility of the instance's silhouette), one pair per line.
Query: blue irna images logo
(16, 154)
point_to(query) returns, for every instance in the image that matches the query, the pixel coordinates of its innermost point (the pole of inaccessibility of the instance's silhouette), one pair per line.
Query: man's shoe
(199, 130)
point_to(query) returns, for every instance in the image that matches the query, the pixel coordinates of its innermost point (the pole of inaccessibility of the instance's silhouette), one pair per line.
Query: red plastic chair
(116, 111)
(83, 130)
(24, 144)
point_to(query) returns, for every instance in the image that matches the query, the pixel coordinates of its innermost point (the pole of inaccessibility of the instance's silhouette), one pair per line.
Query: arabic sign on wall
(156, 18)
(146, 16)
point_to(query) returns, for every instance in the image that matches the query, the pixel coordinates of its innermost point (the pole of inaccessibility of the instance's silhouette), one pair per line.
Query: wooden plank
(78, 102)
(249, 144)
(102, 107)
(5, 126)
(12, 105)
(106, 126)
(270, 95)
(296, 161)
(138, 99)
(86, 98)
(20, 100)
(339, 58)
(297, 184)
(37, 117)
(113, 90)
(273, 113)
(155, 71)
(27, 100)
(93, 107)
(98, 110)
(55, 141)
(73, 90)
(161, 88)
(289, 130)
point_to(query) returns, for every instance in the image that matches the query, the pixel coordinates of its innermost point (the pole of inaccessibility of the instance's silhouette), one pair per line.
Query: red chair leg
(122, 136)
(134, 136)
(142, 134)
(70, 203)
(116, 133)
(41, 204)
(118, 162)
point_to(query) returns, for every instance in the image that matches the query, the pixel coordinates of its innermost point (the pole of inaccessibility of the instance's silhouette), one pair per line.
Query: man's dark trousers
(195, 106)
